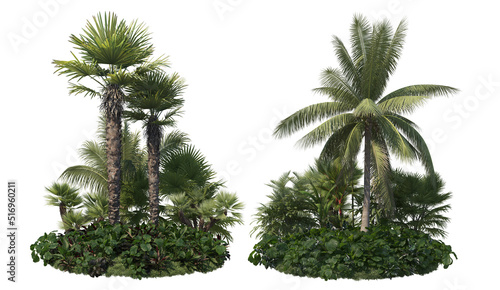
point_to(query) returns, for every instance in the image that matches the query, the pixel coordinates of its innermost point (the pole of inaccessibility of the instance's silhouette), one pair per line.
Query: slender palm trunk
(365, 217)
(113, 106)
(62, 210)
(154, 138)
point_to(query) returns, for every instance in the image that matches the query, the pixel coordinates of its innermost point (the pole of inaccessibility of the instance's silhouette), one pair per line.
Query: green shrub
(381, 252)
(136, 251)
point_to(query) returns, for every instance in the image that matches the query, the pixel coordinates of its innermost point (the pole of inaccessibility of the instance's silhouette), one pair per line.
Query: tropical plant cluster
(308, 227)
(124, 194)
(381, 252)
(136, 251)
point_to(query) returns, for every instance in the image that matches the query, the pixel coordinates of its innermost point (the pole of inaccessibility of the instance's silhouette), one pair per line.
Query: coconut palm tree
(110, 51)
(63, 196)
(154, 100)
(360, 110)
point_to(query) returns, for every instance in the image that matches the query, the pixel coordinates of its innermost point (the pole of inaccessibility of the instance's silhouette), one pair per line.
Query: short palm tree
(359, 110)
(110, 51)
(63, 196)
(420, 202)
(74, 220)
(154, 100)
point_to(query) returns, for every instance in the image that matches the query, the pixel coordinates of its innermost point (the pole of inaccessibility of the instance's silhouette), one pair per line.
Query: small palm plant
(74, 220)
(63, 196)
(206, 211)
(96, 206)
(420, 202)
(196, 200)
(360, 112)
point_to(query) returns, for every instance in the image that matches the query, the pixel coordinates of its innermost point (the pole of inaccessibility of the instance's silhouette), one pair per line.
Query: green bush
(381, 252)
(136, 251)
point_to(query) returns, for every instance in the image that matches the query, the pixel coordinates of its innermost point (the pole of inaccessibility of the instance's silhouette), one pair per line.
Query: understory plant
(136, 251)
(382, 252)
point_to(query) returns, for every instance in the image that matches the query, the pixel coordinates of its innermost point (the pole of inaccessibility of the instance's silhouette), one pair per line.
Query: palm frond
(87, 177)
(109, 41)
(325, 130)
(407, 99)
(308, 116)
(337, 87)
(76, 69)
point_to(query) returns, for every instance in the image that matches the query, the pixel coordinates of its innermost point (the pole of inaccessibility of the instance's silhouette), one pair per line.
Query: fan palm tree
(154, 100)
(359, 110)
(420, 202)
(74, 220)
(110, 51)
(63, 196)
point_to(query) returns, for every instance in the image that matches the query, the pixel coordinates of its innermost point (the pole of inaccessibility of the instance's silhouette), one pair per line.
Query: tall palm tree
(110, 52)
(359, 110)
(63, 196)
(154, 100)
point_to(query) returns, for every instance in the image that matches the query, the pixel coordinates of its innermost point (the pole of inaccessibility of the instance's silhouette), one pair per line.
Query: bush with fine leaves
(381, 252)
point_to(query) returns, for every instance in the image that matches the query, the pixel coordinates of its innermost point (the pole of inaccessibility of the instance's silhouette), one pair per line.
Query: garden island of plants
(322, 222)
(159, 211)
(128, 210)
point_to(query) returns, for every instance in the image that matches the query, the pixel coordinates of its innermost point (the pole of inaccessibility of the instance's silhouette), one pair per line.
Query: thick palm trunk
(113, 107)
(365, 217)
(154, 138)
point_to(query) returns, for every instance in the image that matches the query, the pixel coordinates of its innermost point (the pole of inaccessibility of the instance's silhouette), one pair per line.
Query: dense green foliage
(136, 251)
(319, 197)
(381, 252)
(420, 202)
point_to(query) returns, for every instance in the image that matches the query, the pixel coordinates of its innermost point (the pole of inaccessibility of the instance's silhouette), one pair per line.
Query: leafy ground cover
(136, 251)
(382, 252)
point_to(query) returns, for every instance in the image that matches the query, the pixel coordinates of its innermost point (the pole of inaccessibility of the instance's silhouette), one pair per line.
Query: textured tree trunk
(365, 217)
(62, 210)
(154, 139)
(113, 107)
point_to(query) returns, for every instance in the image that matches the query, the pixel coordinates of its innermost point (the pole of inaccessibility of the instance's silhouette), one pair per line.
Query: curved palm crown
(64, 196)
(358, 108)
(154, 99)
(108, 49)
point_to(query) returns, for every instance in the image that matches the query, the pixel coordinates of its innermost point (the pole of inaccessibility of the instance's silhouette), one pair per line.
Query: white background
(249, 64)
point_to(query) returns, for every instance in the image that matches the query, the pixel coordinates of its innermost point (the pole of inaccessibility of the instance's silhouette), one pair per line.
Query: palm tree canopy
(63, 193)
(358, 102)
(108, 48)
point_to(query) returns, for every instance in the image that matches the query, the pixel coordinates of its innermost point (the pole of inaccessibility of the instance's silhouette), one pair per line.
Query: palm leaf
(307, 116)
